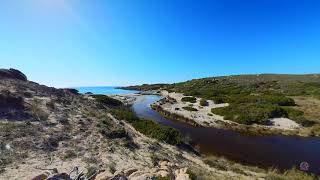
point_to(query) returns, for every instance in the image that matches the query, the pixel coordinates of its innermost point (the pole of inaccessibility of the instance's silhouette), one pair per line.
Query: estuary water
(283, 152)
(104, 90)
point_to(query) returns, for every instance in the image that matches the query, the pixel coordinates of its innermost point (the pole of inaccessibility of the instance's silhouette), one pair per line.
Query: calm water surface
(104, 90)
(282, 152)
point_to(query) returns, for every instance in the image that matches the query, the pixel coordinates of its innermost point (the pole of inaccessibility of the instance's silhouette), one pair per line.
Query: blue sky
(67, 43)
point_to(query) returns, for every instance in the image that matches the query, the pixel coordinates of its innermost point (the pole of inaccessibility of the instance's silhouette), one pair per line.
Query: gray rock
(61, 176)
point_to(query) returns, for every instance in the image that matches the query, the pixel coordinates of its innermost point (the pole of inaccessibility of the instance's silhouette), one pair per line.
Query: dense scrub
(148, 127)
(106, 100)
(146, 87)
(259, 114)
(189, 99)
(108, 130)
(188, 108)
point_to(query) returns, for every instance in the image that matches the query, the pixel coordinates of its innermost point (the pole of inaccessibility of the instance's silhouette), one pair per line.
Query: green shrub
(274, 99)
(190, 99)
(107, 129)
(219, 99)
(162, 178)
(315, 130)
(115, 133)
(188, 108)
(124, 114)
(250, 113)
(158, 131)
(149, 127)
(106, 100)
(204, 102)
(192, 175)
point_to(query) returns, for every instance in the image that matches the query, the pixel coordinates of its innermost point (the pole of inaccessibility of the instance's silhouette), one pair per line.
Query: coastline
(214, 121)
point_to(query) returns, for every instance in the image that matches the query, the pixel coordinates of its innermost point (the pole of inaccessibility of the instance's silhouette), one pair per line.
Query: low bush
(192, 175)
(189, 108)
(106, 100)
(275, 99)
(124, 114)
(27, 95)
(107, 129)
(51, 105)
(115, 133)
(158, 131)
(204, 102)
(161, 178)
(190, 99)
(315, 130)
(37, 110)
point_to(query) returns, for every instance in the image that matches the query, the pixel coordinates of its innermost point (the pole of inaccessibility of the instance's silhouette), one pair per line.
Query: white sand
(284, 123)
(201, 116)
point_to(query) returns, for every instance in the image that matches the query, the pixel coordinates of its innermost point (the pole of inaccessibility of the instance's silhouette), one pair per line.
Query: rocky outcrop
(12, 74)
(71, 90)
(164, 169)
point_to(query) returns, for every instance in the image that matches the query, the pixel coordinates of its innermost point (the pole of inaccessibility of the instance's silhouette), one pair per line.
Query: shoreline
(255, 129)
(242, 129)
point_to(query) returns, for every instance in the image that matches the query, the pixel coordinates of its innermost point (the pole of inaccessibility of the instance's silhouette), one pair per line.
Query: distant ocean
(104, 90)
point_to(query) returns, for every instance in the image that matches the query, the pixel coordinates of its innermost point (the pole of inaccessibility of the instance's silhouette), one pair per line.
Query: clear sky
(123, 42)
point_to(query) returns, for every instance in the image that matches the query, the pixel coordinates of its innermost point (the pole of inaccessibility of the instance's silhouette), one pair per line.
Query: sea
(104, 90)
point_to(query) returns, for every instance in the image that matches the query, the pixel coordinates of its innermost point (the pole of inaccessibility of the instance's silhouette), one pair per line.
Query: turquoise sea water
(104, 90)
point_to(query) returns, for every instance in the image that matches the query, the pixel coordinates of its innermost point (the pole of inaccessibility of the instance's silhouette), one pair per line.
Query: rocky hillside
(48, 133)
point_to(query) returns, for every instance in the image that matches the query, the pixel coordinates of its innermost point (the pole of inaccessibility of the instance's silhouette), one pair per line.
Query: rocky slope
(47, 133)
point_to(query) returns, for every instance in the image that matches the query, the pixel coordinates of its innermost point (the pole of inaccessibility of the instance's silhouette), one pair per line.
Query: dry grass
(292, 174)
(38, 111)
(310, 106)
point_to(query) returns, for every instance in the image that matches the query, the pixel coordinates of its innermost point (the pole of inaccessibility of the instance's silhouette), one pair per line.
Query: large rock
(12, 74)
(60, 176)
(128, 172)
